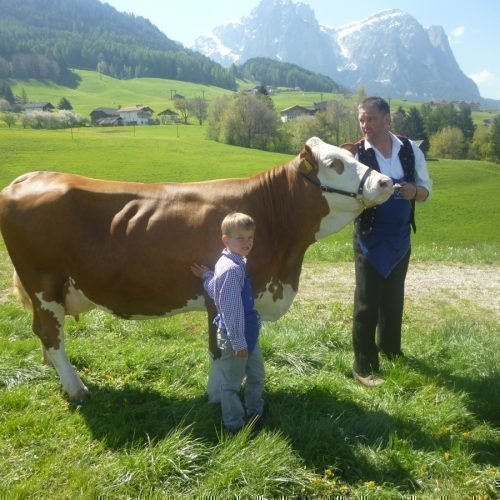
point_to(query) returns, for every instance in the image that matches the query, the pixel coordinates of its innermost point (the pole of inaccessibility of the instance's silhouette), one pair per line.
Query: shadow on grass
(326, 431)
(484, 394)
(483, 403)
(132, 416)
(330, 432)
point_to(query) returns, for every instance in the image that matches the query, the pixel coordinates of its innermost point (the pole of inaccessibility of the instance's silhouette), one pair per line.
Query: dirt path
(456, 285)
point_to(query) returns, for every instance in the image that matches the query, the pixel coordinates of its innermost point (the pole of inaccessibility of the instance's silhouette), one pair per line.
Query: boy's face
(239, 242)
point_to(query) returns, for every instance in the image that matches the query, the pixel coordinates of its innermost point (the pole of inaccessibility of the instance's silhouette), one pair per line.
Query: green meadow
(96, 90)
(431, 431)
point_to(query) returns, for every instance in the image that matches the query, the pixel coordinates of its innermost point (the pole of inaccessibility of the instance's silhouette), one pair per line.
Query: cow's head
(347, 185)
(353, 185)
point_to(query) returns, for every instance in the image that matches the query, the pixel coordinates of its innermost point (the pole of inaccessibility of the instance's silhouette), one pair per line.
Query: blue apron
(389, 240)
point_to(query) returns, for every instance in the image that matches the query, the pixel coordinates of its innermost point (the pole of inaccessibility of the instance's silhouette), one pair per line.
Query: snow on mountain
(389, 52)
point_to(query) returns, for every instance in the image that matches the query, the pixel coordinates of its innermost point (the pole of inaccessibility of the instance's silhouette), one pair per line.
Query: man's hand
(242, 354)
(408, 191)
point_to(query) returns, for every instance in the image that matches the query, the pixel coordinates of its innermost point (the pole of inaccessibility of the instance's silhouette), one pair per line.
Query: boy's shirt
(224, 286)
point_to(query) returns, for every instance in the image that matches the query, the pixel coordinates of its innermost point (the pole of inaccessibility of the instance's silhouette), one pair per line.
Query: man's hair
(376, 102)
(235, 221)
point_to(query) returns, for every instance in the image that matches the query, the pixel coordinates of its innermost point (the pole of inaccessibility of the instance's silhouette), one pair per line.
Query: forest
(42, 39)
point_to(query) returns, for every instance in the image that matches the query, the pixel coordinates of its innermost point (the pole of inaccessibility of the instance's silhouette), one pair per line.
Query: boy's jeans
(226, 376)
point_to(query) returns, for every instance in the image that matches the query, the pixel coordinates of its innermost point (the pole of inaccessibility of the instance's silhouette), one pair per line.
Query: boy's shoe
(371, 380)
(233, 431)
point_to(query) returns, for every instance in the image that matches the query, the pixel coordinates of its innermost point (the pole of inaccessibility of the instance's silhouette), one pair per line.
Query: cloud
(458, 32)
(483, 76)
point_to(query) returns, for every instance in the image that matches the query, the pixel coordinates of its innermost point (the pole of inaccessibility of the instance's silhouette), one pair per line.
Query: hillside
(44, 38)
(95, 90)
(272, 72)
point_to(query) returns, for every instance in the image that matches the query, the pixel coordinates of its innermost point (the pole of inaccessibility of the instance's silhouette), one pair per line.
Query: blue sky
(473, 27)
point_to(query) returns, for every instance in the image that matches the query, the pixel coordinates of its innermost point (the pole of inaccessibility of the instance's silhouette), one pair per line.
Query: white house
(136, 115)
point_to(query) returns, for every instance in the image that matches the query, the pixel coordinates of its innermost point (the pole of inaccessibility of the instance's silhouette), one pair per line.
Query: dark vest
(364, 222)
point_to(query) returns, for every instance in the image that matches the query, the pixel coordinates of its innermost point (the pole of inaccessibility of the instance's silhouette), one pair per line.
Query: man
(382, 240)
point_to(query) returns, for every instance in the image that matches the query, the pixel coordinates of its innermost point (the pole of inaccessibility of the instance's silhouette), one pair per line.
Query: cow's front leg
(48, 325)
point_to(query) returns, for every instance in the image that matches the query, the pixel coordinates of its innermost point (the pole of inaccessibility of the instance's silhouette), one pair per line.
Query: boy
(238, 324)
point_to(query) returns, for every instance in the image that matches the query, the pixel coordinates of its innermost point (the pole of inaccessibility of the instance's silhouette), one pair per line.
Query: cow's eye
(337, 165)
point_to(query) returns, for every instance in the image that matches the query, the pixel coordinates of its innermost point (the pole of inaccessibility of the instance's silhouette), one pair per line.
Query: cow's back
(127, 246)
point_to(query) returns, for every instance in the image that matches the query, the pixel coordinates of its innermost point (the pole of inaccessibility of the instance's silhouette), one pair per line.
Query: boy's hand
(199, 270)
(242, 354)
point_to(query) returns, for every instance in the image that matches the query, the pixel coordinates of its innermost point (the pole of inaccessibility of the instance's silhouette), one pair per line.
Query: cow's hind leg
(25, 301)
(48, 325)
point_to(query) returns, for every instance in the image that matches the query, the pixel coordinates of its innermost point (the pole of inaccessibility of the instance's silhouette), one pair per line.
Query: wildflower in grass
(329, 473)
(370, 484)
(446, 455)
(466, 435)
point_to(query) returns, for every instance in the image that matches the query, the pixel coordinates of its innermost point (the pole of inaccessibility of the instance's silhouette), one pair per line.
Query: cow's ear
(348, 146)
(308, 163)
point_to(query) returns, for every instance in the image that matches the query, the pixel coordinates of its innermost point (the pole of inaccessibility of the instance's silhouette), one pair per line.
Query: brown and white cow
(78, 243)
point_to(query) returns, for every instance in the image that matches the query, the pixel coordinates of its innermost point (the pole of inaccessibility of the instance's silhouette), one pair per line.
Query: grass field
(431, 431)
(96, 90)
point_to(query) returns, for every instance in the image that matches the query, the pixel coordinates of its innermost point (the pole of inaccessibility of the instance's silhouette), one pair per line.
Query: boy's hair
(235, 221)
(376, 102)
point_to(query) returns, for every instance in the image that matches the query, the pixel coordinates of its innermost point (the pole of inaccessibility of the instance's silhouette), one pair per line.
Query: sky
(472, 27)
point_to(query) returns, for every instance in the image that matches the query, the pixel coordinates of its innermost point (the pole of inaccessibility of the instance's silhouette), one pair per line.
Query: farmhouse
(136, 115)
(294, 112)
(105, 116)
(30, 107)
(168, 116)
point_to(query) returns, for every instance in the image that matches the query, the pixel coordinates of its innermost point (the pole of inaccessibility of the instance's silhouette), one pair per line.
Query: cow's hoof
(81, 395)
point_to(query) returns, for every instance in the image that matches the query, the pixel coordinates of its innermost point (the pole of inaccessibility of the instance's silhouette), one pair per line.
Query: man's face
(373, 124)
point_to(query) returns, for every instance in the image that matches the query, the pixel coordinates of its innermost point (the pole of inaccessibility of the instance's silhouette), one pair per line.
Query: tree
(249, 122)
(24, 96)
(360, 94)
(495, 138)
(6, 92)
(481, 147)
(64, 104)
(216, 111)
(411, 125)
(198, 107)
(398, 121)
(182, 106)
(299, 130)
(5, 105)
(448, 143)
(9, 118)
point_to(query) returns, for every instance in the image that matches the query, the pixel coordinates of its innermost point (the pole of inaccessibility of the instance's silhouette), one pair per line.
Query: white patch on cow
(53, 307)
(70, 380)
(196, 304)
(75, 301)
(271, 309)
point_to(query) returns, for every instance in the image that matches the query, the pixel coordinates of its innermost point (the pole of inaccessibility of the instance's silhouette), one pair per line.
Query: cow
(78, 243)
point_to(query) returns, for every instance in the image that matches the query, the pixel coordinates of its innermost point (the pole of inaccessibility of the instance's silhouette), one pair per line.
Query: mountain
(280, 74)
(390, 53)
(41, 39)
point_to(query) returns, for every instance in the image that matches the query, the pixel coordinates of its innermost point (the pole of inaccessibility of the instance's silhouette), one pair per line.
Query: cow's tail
(20, 292)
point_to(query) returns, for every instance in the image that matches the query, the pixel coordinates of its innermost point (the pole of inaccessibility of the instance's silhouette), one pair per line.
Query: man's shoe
(371, 380)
